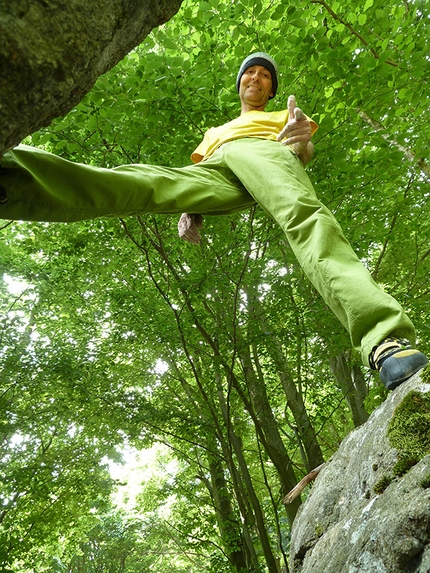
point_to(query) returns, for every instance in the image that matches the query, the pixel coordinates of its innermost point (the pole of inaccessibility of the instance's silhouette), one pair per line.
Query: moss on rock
(425, 374)
(381, 485)
(425, 483)
(409, 433)
(409, 430)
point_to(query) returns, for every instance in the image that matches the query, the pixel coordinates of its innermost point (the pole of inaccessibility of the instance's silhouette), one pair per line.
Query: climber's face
(255, 88)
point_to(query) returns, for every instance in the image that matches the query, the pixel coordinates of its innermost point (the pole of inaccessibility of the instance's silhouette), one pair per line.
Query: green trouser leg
(278, 182)
(44, 187)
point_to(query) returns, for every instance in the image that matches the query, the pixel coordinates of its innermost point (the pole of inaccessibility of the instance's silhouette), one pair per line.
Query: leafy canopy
(124, 335)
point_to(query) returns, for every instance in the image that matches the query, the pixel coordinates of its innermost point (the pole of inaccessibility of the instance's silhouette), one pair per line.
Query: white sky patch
(161, 367)
(15, 286)
(264, 287)
(18, 441)
(139, 466)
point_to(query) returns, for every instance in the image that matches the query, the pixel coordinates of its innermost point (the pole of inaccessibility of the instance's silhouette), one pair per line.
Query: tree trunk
(52, 53)
(267, 428)
(350, 380)
(227, 522)
(311, 451)
(271, 562)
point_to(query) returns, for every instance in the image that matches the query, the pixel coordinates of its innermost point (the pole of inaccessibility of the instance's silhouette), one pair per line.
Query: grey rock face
(52, 52)
(345, 527)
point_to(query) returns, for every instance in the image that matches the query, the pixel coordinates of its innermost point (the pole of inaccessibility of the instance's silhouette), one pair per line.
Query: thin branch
(408, 153)
(352, 30)
(7, 225)
(297, 490)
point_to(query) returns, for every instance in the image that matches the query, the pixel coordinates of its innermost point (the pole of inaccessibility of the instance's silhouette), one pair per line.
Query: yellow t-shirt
(262, 124)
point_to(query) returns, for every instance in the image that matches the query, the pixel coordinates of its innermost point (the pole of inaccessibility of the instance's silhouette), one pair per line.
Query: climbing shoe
(396, 361)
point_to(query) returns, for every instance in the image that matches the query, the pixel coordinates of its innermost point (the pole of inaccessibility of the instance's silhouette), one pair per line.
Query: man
(255, 158)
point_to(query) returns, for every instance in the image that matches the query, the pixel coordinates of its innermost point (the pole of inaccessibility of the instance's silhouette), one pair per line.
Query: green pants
(43, 187)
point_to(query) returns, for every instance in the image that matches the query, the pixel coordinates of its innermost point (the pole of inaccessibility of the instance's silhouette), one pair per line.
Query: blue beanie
(260, 59)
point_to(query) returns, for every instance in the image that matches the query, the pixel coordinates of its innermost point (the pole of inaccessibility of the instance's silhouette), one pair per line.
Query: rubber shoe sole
(400, 366)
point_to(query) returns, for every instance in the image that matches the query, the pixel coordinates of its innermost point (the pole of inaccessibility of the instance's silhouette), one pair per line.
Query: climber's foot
(396, 361)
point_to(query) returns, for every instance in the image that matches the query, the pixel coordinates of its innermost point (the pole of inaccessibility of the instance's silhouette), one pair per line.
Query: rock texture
(52, 52)
(345, 526)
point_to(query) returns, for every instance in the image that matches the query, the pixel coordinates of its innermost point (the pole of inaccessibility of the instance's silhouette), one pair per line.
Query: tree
(223, 352)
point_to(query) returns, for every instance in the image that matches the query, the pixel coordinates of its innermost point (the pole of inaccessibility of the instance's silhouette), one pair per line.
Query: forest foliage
(115, 333)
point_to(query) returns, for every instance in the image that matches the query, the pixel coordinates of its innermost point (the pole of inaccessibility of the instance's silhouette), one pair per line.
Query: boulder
(53, 51)
(369, 508)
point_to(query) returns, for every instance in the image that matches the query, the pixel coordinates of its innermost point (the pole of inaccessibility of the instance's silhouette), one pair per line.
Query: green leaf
(299, 23)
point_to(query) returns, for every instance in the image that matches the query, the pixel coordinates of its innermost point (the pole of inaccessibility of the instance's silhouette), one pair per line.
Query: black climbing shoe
(396, 361)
